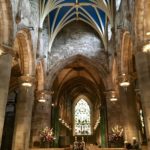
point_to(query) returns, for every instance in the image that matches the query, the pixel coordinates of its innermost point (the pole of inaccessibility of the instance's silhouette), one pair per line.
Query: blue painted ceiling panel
(89, 11)
(61, 14)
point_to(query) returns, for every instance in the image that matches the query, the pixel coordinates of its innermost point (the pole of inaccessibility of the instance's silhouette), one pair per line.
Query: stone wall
(76, 38)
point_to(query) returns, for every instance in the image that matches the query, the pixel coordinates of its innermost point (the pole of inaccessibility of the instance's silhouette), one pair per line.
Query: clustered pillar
(41, 117)
(129, 112)
(5, 70)
(23, 114)
(143, 70)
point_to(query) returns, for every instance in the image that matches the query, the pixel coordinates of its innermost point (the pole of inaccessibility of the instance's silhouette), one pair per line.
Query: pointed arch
(82, 109)
(58, 67)
(24, 50)
(40, 75)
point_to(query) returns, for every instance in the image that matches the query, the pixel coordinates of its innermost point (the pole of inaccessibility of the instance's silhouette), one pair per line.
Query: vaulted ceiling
(96, 13)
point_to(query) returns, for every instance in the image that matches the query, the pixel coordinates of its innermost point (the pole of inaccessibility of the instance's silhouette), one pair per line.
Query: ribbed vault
(61, 12)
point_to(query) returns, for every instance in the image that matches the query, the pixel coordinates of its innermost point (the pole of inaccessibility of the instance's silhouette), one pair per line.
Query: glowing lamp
(42, 100)
(124, 81)
(113, 99)
(146, 48)
(148, 33)
(27, 84)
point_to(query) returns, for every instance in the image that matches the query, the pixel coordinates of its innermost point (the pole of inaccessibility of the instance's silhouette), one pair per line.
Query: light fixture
(27, 84)
(125, 142)
(52, 104)
(26, 80)
(124, 81)
(1, 52)
(113, 96)
(146, 48)
(148, 33)
(133, 138)
(43, 96)
(42, 100)
(113, 99)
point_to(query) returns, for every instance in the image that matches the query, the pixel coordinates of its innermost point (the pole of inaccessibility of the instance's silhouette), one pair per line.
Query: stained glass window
(82, 118)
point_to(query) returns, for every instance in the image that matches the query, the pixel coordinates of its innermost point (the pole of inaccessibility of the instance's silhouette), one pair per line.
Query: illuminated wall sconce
(27, 84)
(113, 99)
(148, 33)
(27, 80)
(42, 98)
(113, 96)
(133, 138)
(146, 48)
(124, 80)
(53, 104)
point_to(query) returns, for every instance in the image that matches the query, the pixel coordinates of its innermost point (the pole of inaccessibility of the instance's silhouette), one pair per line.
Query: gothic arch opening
(78, 79)
(22, 65)
(75, 71)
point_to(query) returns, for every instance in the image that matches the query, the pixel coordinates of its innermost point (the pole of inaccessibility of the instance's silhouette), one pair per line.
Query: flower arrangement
(117, 135)
(47, 134)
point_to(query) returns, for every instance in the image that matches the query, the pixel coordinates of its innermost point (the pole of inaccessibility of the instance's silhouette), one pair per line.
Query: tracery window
(82, 118)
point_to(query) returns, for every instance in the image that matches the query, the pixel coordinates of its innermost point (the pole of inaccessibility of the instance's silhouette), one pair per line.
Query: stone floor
(89, 148)
(70, 149)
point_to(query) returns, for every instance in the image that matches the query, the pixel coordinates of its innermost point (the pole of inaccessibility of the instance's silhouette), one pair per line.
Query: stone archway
(24, 50)
(76, 76)
(26, 81)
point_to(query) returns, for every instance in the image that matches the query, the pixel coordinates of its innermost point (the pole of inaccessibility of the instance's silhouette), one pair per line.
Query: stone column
(23, 116)
(143, 71)
(103, 125)
(5, 70)
(41, 116)
(129, 111)
(114, 113)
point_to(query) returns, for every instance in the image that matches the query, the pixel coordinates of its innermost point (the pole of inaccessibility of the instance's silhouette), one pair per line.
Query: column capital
(43, 95)
(111, 95)
(27, 80)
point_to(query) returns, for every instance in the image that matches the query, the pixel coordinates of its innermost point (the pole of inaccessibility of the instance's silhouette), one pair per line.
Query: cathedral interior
(74, 74)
